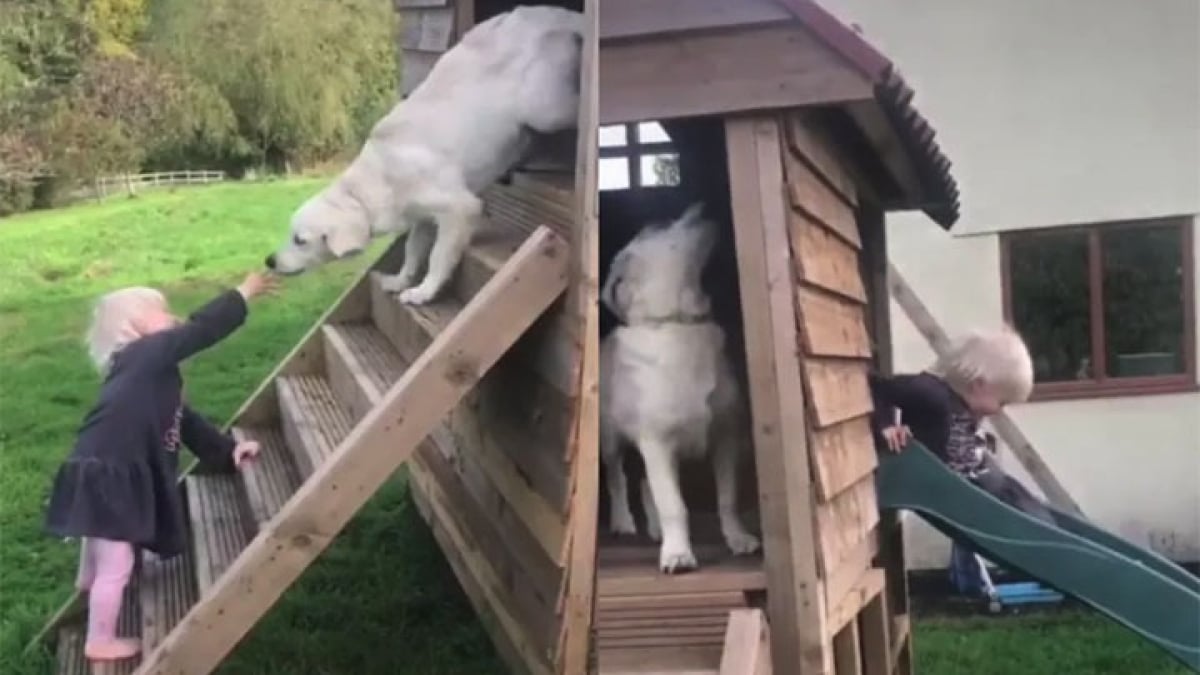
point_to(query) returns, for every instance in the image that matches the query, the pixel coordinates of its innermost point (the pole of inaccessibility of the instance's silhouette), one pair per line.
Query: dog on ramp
(421, 171)
(668, 387)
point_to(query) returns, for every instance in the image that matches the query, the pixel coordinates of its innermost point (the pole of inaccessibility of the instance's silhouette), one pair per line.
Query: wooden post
(578, 612)
(1005, 427)
(794, 602)
(747, 644)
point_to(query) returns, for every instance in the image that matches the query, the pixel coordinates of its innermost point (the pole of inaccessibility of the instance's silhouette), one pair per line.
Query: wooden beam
(287, 544)
(720, 72)
(747, 644)
(776, 395)
(578, 613)
(640, 18)
(1006, 428)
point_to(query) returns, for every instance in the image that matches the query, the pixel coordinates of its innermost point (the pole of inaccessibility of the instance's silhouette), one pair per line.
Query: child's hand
(258, 283)
(897, 437)
(243, 452)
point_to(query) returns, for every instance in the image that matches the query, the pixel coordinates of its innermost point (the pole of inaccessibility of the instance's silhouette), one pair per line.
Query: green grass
(382, 599)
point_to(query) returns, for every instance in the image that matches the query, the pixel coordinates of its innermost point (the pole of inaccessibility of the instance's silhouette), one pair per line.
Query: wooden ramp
(342, 412)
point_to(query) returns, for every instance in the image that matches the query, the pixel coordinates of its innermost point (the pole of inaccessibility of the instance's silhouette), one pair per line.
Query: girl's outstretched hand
(244, 452)
(258, 283)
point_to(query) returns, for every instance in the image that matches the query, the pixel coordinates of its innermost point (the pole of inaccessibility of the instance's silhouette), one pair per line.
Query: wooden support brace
(1005, 427)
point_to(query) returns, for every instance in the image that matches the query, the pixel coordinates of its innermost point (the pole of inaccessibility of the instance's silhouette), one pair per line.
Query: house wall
(1055, 114)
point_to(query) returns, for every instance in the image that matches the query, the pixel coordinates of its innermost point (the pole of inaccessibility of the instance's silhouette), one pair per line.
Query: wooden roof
(678, 58)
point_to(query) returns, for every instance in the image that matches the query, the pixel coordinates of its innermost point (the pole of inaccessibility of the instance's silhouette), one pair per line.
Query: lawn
(382, 599)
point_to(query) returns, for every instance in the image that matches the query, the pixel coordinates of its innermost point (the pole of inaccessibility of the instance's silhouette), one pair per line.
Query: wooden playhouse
(799, 136)
(487, 394)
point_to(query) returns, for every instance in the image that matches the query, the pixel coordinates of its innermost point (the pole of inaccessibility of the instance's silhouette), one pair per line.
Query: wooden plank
(219, 531)
(732, 574)
(167, 591)
(809, 140)
(847, 657)
(842, 455)
(876, 645)
(838, 390)
(530, 602)
(846, 522)
(414, 4)
(430, 388)
(428, 30)
(747, 644)
(544, 573)
(818, 201)
(272, 478)
(831, 326)
(666, 602)
(823, 259)
(636, 18)
(776, 393)
(853, 566)
(867, 589)
(1020, 445)
(475, 575)
(721, 72)
(576, 653)
(676, 660)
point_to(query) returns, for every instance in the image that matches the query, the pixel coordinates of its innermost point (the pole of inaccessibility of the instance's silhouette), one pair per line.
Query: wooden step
(219, 527)
(231, 603)
(272, 478)
(314, 423)
(361, 365)
(168, 590)
(410, 329)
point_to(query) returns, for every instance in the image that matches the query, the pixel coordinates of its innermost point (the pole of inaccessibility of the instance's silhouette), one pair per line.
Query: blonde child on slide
(117, 488)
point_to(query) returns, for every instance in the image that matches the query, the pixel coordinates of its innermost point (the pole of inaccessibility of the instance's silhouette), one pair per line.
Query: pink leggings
(104, 570)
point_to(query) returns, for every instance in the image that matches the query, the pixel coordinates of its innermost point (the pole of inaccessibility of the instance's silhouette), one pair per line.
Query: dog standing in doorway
(424, 165)
(668, 387)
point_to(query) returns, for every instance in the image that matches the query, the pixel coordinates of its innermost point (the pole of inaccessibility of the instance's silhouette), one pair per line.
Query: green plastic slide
(1137, 588)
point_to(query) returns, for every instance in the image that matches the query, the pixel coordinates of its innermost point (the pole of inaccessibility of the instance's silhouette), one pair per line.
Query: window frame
(632, 152)
(1105, 386)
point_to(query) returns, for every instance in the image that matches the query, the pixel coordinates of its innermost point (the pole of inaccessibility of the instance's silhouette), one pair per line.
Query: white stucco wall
(1055, 112)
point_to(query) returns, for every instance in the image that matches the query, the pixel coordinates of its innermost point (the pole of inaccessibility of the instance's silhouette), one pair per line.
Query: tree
(305, 79)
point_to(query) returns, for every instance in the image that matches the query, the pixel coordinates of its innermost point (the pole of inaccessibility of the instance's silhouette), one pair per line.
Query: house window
(636, 156)
(1106, 310)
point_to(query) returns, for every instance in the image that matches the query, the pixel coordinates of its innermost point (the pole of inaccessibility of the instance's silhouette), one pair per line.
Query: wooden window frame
(1105, 386)
(633, 151)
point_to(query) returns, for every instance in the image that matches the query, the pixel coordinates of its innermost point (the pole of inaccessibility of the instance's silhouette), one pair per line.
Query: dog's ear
(615, 294)
(348, 237)
(692, 214)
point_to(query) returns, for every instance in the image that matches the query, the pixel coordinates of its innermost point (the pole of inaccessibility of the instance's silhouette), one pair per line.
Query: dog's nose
(270, 262)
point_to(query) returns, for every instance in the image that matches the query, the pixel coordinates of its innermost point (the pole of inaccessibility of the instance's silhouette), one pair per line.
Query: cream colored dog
(425, 163)
(667, 386)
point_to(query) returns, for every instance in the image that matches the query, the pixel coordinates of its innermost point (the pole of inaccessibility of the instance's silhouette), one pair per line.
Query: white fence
(132, 183)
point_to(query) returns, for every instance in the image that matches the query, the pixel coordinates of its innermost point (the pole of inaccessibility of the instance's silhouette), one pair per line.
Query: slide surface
(1137, 588)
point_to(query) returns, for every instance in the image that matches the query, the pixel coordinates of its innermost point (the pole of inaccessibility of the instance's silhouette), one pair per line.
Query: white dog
(424, 165)
(667, 386)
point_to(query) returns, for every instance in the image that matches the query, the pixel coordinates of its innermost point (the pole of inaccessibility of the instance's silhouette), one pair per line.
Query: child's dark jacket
(119, 482)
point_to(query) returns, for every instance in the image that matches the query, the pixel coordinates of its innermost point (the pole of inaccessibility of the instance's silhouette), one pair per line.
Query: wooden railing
(132, 183)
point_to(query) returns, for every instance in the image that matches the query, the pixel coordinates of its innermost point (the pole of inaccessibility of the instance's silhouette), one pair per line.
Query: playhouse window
(1106, 310)
(638, 155)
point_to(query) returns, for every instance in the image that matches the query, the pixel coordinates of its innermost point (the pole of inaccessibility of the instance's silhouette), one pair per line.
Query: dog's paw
(396, 283)
(622, 523)
(742, 543)
(418, 295)
(676, 561)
